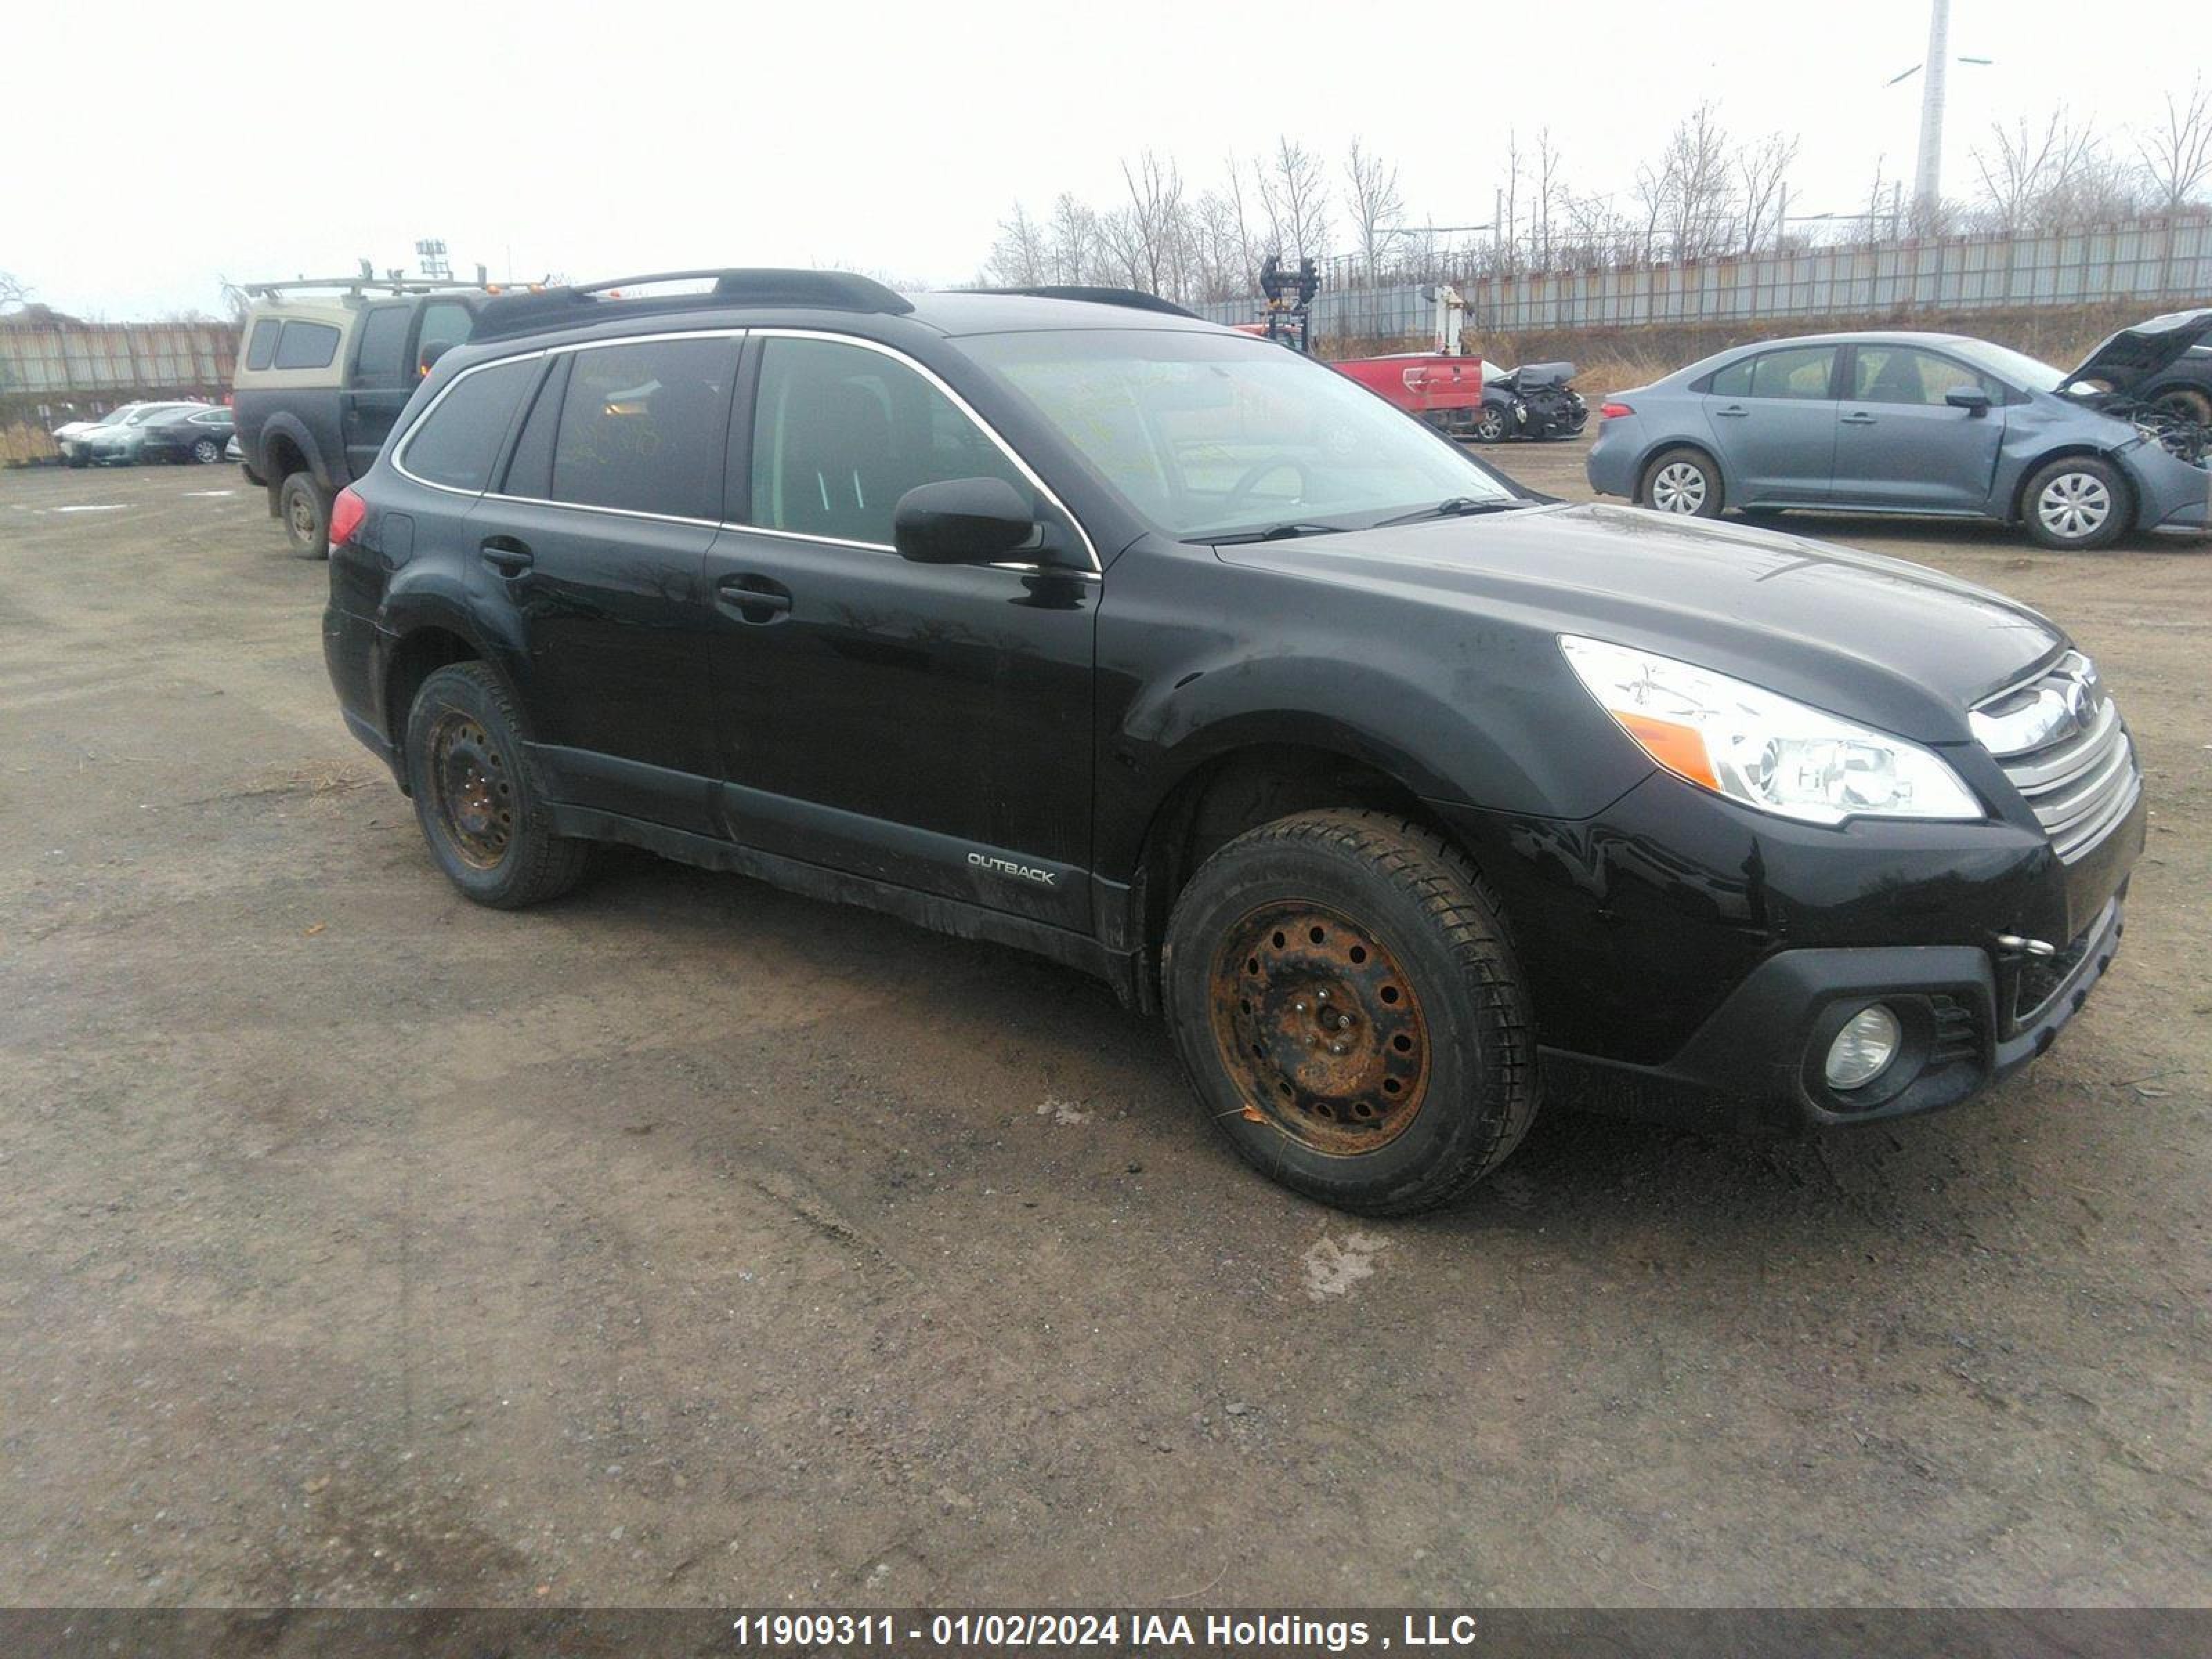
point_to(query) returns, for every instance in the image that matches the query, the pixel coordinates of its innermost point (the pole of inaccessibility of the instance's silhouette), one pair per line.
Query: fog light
(1863, 1048)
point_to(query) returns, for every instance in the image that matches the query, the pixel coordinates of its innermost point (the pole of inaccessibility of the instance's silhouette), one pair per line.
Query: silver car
(1918, 423)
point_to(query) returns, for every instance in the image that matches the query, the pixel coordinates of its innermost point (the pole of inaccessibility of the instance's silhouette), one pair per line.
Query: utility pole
(1928, 178)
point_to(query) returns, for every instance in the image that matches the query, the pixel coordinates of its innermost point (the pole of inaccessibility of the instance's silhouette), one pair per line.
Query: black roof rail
(1134, 298)
(574, 303)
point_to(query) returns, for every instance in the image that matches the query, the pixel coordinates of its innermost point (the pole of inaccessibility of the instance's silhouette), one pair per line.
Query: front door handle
(506, 554)
(1737, 409)
(1858, 417)
(754, 599)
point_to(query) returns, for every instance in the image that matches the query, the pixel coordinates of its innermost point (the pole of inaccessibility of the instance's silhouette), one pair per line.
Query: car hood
(1893, 645)
(2134, 354)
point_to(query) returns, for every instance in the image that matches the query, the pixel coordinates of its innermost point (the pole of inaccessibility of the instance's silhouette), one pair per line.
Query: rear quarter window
(261, 344)
(307, 345)
(457, 443)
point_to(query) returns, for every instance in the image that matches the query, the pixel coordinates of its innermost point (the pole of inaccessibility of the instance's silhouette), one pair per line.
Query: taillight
(346, 514)
(1614, 411)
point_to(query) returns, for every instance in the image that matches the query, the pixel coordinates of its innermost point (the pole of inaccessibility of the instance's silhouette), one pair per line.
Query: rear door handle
(1733, 409)
(506, 554)
(755, 599)
(1858, 417)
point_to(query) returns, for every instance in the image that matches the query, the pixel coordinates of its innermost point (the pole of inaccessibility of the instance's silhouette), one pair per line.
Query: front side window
(1905, 374)
(841, 432)
(1210, 435)
(307, 345)
(446, 324)
(642, 427)
(261, 344)
(456, 444)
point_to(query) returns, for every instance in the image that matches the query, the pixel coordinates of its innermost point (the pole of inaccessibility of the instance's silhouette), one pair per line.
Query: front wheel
(207, 452)
(1490, 425)
(477, 793)
(1682, 481)
(2076, 503)
(1348, 1011)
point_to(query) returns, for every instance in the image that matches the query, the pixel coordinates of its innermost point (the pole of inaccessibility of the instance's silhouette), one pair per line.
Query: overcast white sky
(159, 148)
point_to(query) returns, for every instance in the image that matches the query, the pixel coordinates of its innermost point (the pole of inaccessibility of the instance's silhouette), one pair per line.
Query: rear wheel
(206, 451)
(477, 793)
(1348, 1011)
(2076, 503)
(305, 511)
(1683, 481)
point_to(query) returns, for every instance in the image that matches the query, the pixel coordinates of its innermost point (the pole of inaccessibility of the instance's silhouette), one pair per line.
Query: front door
(377, 382)
(928, 726)
(1899, 445)
(1773, 418)
(590, 554)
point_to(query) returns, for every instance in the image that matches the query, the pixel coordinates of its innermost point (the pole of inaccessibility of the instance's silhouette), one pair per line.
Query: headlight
(1763, 749)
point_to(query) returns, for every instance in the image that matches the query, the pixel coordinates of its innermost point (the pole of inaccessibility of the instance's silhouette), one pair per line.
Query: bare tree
(1156, 218)
(1071, 244)
(1700, 202)
(1548, 189)
(1018, 258)
(2177, 156)
(1295, 196)
(1372, 199)
(1122, 249)
(14, 290)
(1763, 167)
(2027, 167)
(1509, 226)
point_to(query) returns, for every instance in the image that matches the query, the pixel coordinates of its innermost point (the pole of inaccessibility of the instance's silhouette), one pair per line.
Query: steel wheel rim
(1320, 1028)
(471, 789)
(302, 519)
(1678, 487)
(2074, 505)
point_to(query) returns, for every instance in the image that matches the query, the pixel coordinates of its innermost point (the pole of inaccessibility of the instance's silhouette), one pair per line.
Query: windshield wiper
(1274, 532)
(1455, 507)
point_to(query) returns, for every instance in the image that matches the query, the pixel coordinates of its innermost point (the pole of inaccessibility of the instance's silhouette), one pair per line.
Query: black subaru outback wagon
(1068, 621)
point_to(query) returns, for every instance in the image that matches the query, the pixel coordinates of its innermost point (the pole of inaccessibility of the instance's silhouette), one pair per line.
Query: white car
(111, 441)
(68, 436)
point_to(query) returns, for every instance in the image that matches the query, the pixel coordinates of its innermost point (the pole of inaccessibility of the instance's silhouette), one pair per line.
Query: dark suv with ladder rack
(1079, 625)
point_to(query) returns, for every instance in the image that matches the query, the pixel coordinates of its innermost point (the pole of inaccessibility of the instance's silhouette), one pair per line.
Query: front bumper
(2173, 496)
(1970, 1018)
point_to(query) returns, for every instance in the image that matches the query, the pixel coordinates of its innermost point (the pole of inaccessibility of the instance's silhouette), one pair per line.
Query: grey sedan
(1918, 423)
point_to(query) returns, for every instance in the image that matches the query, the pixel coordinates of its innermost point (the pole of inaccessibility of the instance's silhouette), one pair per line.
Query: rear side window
(457, 442)
(307, 345)
(261, 345)
(383, 359)
(841, 432)
(642, 427)
(1798, 372)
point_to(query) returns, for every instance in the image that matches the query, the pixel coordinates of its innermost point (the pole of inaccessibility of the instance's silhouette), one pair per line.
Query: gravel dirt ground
(688, 1242)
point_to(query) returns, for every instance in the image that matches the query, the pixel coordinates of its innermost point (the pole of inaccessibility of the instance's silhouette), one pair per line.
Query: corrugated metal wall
(111, 362)
(2158, 261)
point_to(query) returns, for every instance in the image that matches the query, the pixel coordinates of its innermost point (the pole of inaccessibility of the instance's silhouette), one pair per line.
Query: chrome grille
(2062, 742)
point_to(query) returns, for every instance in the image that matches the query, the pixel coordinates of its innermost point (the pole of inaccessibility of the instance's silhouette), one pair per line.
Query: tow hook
(2014, 945)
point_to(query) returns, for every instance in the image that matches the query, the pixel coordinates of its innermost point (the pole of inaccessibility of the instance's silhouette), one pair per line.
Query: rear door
(1772, 416)
(1900, 445)
(590, 552)
(377, 382)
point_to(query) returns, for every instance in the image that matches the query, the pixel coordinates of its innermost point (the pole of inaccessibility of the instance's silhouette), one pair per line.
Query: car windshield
(1211, 436)
(2015, 368)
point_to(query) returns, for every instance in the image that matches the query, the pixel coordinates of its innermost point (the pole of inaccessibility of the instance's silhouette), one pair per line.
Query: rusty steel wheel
(476, 794)
(471, 789)
(1321, 1028)
(1347, 1008)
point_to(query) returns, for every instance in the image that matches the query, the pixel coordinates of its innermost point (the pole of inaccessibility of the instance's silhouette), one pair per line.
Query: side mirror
(1972, 399)
(962, 521)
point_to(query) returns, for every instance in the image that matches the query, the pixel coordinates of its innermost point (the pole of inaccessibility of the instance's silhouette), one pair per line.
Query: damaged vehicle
(1928, 424)
(1531, 401)
(1412, 800)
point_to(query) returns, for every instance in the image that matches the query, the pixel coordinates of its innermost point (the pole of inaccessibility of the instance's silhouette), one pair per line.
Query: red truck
(1444, 390)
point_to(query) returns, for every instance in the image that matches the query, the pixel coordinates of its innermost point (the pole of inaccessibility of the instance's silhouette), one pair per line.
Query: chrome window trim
(407, 437)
